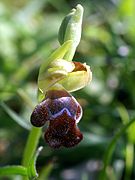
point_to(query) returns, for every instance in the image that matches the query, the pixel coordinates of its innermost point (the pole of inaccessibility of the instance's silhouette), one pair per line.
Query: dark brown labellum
(63, 113)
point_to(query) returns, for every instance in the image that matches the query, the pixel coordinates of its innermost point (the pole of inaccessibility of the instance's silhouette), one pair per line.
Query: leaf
(12, 170)
(45, 172)
(123, 112)
(15, 117)
(32, 173)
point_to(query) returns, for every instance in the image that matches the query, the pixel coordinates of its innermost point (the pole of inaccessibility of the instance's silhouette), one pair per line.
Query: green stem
(11, 170)
(31, 145)
(34, 135)
(111, 146)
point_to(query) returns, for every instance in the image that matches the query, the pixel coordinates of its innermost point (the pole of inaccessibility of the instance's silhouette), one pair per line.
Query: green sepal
(40, 96)
(57, 54)
(76, 80)
(57, 70)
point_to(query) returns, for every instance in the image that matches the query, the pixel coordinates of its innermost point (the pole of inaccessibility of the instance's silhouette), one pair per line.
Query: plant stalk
(31, 145)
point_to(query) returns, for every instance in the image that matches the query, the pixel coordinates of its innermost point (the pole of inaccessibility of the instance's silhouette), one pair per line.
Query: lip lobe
(63, 113)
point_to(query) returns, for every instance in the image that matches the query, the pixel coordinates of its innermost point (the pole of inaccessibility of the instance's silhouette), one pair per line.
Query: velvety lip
(63, 113)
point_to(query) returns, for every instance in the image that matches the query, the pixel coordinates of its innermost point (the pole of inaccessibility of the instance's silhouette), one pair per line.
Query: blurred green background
(28, 34)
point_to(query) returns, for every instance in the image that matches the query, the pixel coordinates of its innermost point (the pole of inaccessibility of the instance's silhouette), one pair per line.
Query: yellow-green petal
(76, 79)
(56, 71)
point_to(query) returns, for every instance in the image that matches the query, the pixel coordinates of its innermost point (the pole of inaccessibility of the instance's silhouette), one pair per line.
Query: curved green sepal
(57, 54)
(56, 71)
(40, 96)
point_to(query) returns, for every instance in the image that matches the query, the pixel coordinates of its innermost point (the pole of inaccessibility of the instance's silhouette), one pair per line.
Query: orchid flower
(58, 76)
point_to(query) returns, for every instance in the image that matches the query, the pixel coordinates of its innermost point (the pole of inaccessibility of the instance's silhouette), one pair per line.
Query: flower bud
(70, 29)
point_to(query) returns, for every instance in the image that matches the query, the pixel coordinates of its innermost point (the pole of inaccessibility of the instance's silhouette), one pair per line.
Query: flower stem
(34, 134)
(111, 146)
(9, 170)
(31, 145)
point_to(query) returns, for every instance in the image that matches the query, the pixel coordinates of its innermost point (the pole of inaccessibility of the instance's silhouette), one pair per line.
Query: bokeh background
(28, 34)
